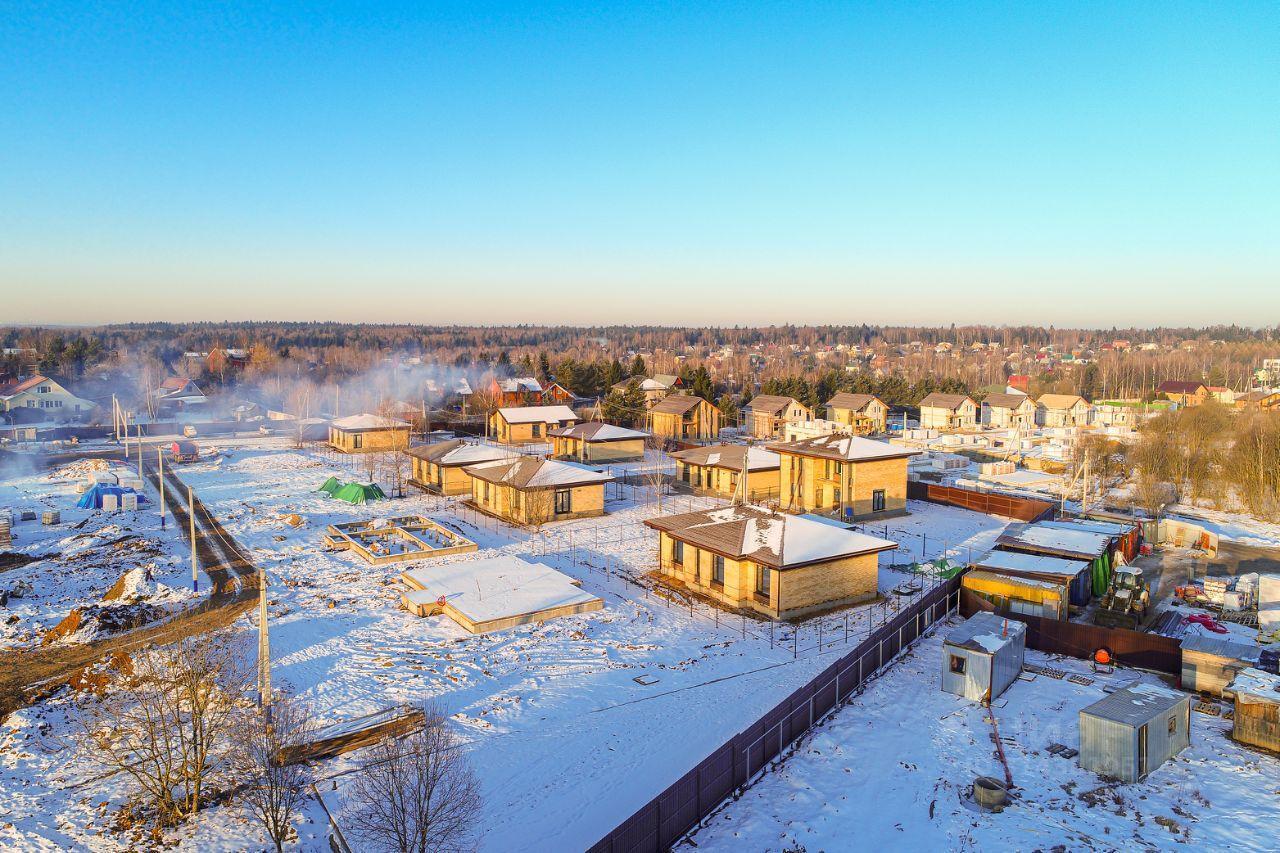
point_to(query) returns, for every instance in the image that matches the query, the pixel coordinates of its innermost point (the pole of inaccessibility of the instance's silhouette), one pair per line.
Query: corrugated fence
(992, 503)
(666, 818)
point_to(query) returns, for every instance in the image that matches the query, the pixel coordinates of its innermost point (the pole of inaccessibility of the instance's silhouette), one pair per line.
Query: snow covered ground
(890, 771)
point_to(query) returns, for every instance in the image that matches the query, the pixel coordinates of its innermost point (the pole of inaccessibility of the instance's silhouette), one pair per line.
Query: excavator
(1126, 600)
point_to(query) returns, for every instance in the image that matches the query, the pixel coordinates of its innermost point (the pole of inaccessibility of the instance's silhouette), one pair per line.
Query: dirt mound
(93, 620)
(132, 585)
(95, 677)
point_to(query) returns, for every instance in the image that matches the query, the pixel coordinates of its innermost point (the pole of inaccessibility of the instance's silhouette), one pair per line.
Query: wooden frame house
(767, 414)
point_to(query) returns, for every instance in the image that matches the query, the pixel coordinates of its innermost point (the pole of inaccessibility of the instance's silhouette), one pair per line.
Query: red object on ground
(1145, 550)
(1207, 622)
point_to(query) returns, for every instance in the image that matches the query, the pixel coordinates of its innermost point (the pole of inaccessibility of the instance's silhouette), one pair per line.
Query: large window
(357, 441)
(717, 569)
(762, 581)
(877, 500)
(564, 501)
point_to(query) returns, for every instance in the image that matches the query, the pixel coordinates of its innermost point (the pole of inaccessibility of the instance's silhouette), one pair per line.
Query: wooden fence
(992, 503)
(668, 817)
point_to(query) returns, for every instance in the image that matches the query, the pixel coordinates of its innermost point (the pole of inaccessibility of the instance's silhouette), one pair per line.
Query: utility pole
(137, 428)
(160, 459)
(264, 645)
(191, 515)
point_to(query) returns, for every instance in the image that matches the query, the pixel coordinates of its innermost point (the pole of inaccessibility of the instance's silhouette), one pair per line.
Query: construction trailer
(1097, 549)
(982, 657)
(1072, 576)
(1209, 664)
(1131, 732)
(1028, 596)
(1257, 716)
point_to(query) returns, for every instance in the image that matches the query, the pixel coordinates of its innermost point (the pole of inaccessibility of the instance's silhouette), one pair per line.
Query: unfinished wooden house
(1007, 411)
(597, 442)
(717, 469)
(1257, 718)
(864, 414)
(1062, 410)
(683, 417)
(368, 433)
(529, 490)
(529, 424)
(441, 467)
(948, 412)
(843, 475)
(767, 414)
(781, 566)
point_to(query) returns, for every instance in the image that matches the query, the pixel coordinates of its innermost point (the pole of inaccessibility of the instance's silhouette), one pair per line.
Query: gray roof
(770, 404)
(1222, 648)
(938, 400)
(854, 402)
(1136, 705)
(1005, 401)
(677, 404)
(996, 630)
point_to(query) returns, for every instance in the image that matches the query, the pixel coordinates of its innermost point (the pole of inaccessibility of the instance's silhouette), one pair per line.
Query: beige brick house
(843, 475)
(767, 414)
(440, 467)
(684, 417)
(533, 491)
(781, 566)
(368, 434)
(717, 469)
(948, 412)
(597, 442)
(529, 424)
(863, 413)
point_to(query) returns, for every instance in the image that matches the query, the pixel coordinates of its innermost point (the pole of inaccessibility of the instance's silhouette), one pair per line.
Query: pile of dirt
(93, 620)
(95, 677)
(79, 470)
(133, 585)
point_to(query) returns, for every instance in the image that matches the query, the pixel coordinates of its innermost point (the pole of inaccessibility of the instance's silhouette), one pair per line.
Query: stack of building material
(6, 529)
(51, 516)
(1215, 589)
(129, 501)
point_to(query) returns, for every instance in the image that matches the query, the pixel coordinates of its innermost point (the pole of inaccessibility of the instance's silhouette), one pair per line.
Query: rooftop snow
(498, 587)
(368, 421)
(537, 414)
(1031, 563)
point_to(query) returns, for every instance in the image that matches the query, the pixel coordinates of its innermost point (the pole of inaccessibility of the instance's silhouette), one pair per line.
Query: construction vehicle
(1126, 601)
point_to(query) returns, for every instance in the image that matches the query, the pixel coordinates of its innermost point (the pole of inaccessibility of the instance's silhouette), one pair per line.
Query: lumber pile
(357, 733)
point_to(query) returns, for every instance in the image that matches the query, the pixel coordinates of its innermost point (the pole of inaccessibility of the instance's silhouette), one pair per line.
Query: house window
(564, 501)
(357, 441)
(835, 497)
(486, 492)
(957, 664)
(537, 430)
(1173, 724)
(677, 552)
(717, 569)
(762, 581)
(877, 500)
(44, 389)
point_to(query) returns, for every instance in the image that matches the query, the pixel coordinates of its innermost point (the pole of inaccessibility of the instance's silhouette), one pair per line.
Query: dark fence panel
(992, 503)
(1077, 640)
(670, 815)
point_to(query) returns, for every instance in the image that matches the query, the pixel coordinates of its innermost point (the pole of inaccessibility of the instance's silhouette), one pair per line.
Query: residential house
(368, 433)
(516, 391)
(1183, 393)
(1258, 400)
(1062, 410)
(441, 467)
(717, 469)
(846, 475)
(780, 566)
(525, 424)
(180, 392)
(597, 442)
(529, 490)
(767, 414)
(683, 417)
(41, 397)
(1008, 411)
(948, 412)
(1128, 414)
(653, 389)
(863, 413)
(1222, 394)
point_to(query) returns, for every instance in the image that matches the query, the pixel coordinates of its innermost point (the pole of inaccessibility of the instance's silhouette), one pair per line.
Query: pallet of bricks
(6, 529)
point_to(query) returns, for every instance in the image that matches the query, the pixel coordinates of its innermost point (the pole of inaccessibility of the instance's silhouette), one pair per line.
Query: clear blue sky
(1066, 163)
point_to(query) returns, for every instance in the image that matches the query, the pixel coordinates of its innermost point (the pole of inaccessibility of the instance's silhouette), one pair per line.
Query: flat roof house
(717, 469)
(684, 417)
(440, 467)
(983, 656)
(843, 475)
(597, 442)
(767, 414)
(862, 413)
(948, 412)
(780, 566)
(1007, 411)
(1131, 732)
(1062, 410)
(529, 490)
(529, 424)
(368, 433)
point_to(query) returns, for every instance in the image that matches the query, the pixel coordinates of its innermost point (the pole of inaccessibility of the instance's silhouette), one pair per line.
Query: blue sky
(1065, 163)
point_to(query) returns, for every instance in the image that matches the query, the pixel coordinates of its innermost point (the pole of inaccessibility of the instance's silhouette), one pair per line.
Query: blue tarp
(92, 499)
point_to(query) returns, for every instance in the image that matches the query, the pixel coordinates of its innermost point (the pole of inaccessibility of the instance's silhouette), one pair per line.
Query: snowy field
(565, 742)
(890, 771)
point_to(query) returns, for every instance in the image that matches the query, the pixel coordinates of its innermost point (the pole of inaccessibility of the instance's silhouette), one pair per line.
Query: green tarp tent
(331, 486)
(1102, 574)
(358, 493)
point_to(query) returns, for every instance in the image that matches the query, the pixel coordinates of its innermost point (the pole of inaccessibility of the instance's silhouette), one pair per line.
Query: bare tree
(272, 786)
(654, 470)
(416, 794)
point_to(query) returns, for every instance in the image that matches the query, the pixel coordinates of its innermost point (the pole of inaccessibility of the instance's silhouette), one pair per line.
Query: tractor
(1126, 601)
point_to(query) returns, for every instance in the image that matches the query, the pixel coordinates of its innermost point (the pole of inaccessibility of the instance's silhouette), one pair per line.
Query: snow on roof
(1081, 542)
(537, 414)
(1031, 563)
(730, 456)
(597, 431)
(986, 632)
(645, 383)
(979, 574)
(1136, 705)
(529, 472)
(521, 384)
(368, 421)
(1111, 528)
(1221, 647)
(458, 452)
(846, 448)
(1256, 684)
(497, 587)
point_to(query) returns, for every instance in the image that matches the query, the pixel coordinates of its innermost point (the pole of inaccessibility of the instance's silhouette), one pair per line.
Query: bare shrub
(272, 789)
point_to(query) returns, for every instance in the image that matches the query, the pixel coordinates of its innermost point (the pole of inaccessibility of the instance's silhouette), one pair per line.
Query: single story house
(983, 656)
(597, 442)
(1131, 732)
(441, 467)
(368, 433)
(1258, 400)
(863, 413)
(1222, 394)
(527, 424)
(683, 417)
(180, 392)
(654, 389)
(948, 412)
(529, 490)
(717, 469)
(1062, 410)
(767, 414)
(780, 566)
(1008, 411)
(846, 475)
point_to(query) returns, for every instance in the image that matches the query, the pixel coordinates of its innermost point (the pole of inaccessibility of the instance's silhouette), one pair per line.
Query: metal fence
(992, 503)
(668, 817)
